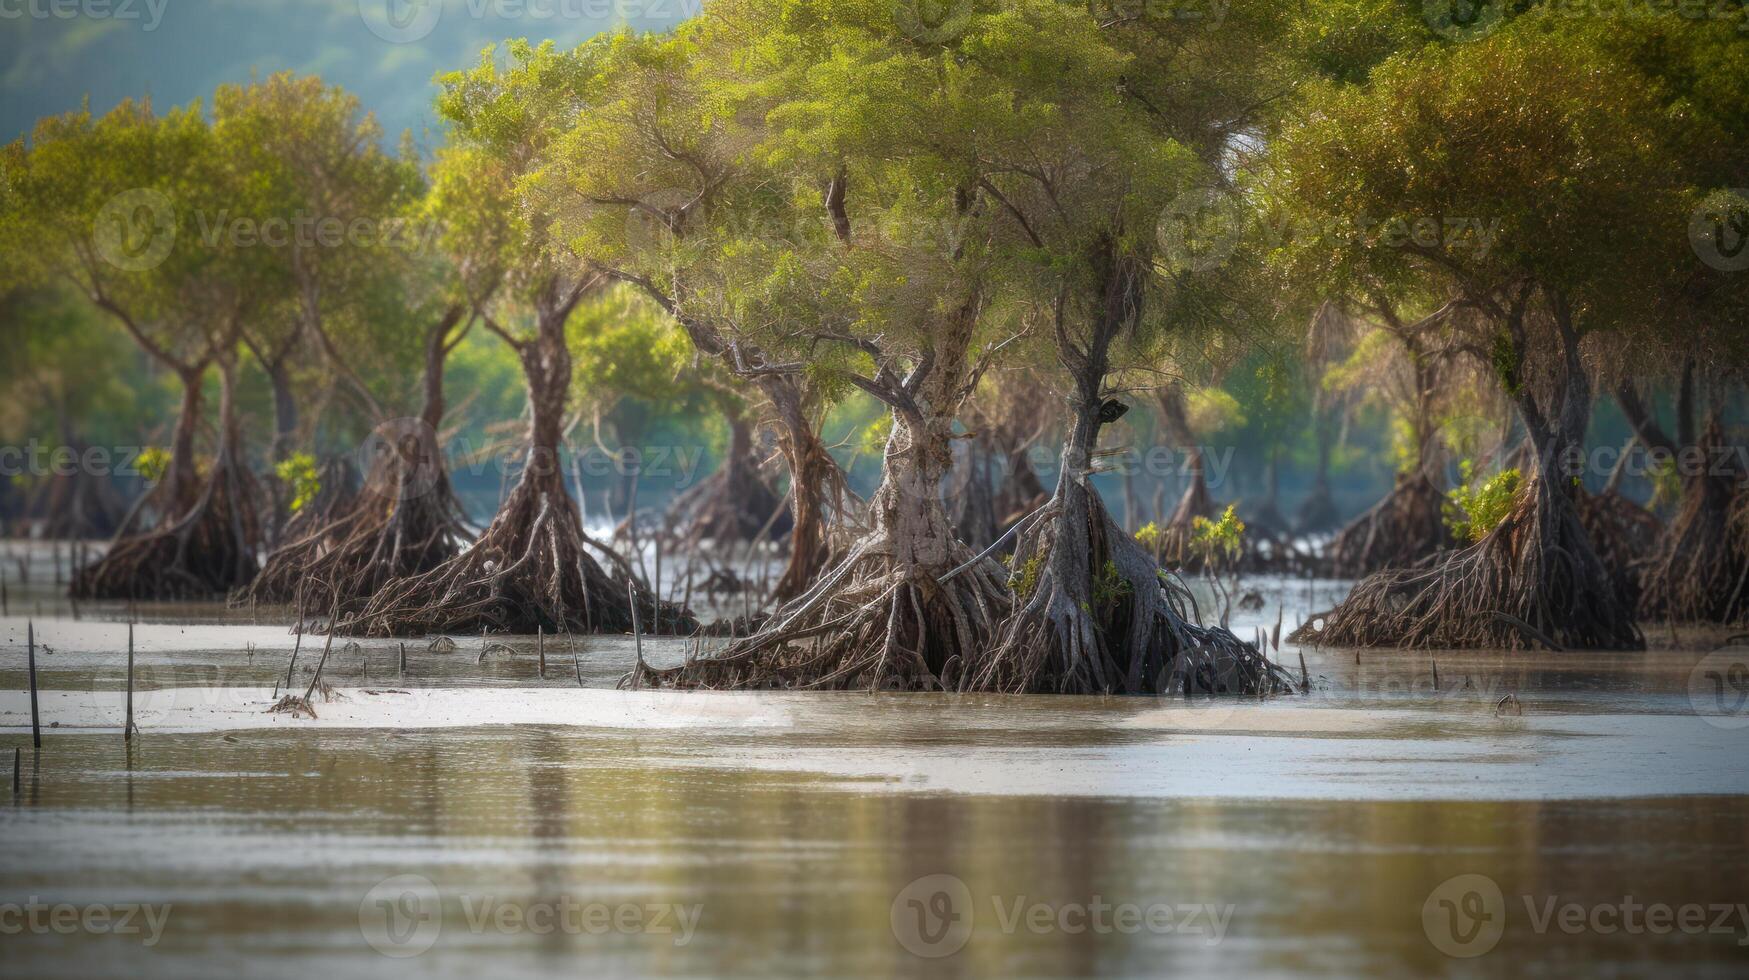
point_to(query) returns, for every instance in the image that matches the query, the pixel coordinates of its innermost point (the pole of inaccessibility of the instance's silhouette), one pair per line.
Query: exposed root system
(1096, 614)
(528, 571)
(204, 549)
(1624, 535)
(871, 622)
(1533, 580)
(905, 608)
(1698, 567)
(405, 522)
(335, 499)
(732, 504)
(1404, 528)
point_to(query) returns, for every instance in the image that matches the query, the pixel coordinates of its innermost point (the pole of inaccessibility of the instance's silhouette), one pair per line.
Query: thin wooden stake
(327, 644)
(541, 645)
(576, 660)
(17, 781)
(482, 658)
(127, 728)
(297, 644)
(5, 600)
(403, 661)
(36, 728)
(637, 633)
(656, 587)
(1305, 678)
(1436, 675)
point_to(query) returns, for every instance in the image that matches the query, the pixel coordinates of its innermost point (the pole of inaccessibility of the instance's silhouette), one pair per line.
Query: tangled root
(405, 522)
(1404, 528)
(1697, 569)
(870, 622)
(338, 495)
(732, 504)
(1100, 616)
(1624, 535)
(1533, 579)
(207, 550)
(528, 571)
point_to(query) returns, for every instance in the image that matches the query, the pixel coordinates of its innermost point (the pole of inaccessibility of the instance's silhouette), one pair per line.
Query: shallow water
(850, 834)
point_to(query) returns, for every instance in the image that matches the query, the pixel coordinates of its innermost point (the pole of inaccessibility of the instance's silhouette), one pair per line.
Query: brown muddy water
(1599, 825)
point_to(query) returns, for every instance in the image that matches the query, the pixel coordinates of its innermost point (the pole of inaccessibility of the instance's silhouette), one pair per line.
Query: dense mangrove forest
(846, 386)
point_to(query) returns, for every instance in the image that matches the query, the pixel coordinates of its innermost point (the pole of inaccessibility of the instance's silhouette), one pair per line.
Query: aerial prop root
(869, 622)
(1535, 569)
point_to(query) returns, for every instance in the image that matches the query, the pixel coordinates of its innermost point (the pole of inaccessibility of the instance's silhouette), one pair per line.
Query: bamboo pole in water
(36, 729)
(297, 644)
(327, 644)
(637, 633)
(127, 728)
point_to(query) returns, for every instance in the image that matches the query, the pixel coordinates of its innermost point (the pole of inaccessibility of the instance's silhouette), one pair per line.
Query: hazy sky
(53, 53)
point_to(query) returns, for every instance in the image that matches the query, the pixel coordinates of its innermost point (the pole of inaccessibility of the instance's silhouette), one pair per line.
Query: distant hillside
(178, 50)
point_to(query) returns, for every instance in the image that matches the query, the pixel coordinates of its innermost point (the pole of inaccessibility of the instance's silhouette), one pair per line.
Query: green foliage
(298, 471)
(1472, 509)
(1220, 539)
(1109, 587)
(1149, 536)
(1666, 482)
(1024, 580)
(153, 462)
(872, 441)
